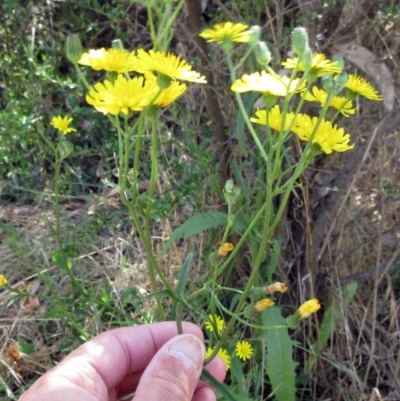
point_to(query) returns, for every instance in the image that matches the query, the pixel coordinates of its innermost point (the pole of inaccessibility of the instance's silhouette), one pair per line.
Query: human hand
(150, 360)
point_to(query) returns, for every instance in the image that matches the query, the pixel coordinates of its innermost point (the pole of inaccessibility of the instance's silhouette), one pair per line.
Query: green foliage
(280, 366)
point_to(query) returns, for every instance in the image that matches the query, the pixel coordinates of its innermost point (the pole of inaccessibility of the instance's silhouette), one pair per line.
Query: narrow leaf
(279, 359)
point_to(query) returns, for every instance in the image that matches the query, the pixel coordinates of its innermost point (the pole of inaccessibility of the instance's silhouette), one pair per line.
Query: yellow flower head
(166, 64)
(223, 354)
(338, 102)
(276, 287)
(120, 96)
(215, 321)
(117, 60)
(328, 137)
(361, 86)
(225, 248)
(267, 84)
(244, 350)
(3, 280)
(308, 308)
(320, 65)
(227, 31)
(62, 124)
(275, 120)
(265, 303)
(168, 95)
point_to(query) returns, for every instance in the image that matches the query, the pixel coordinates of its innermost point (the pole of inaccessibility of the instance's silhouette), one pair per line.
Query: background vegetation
(338, 241)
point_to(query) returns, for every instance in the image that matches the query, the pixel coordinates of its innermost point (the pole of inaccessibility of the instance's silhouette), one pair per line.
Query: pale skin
(150, 360)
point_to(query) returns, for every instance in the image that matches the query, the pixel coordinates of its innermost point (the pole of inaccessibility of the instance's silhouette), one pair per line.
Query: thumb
(174, 371)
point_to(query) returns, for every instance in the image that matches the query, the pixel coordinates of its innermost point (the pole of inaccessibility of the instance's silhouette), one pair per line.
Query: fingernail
(189, 349)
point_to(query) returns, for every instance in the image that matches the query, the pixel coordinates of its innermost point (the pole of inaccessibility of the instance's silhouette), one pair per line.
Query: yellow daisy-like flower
(267, 84)
(361, 86)
(168, 95)
(244, 350)
(227, 31)
(338, 102)
(274, 118)
(223, 354)
(328, 137)
(3, 280)
(215, 321)
(62, 124)
(167, 64)
(320, 65)
(276, 287)
(117, 60)
(225, 248)
(120, 96)
(308, 308)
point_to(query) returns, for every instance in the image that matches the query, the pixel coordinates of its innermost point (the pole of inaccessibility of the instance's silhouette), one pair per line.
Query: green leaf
(279, 358)
(208, 378)
(196, 225)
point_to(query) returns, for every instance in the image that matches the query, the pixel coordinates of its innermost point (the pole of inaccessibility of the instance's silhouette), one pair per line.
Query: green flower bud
(229, 187)
(255, 35)
(73, 48)
(300, 41)
(342, 78)
(262, 53)
(306, 59)
(327, 82)
(117, 44)
(339, 59)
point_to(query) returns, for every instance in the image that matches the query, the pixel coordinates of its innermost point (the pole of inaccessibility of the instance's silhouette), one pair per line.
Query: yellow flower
(227, 31)
(224, 249)
(166, 64)
(3, 280)
(120, 96)
(168, 95)
(274, 118)
(215, 321)
(62, 124)
(265, 303)
(320, 65)
(267, 84)
(338, 102)
(328, 137)
(223, 354)
(308, 308)
(276, 287)
(361, 86)
(117, 60)
(244, 350)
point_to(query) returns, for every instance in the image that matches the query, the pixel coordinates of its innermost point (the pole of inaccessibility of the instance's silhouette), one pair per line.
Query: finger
(204, 394)
(174, 371)
(95, 368)
(129, 384)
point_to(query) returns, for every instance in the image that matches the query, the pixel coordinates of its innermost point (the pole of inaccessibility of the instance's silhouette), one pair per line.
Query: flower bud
(339, 59)
(327, 82)
(255, 35)
(262, 53)
(342, 78)
(300, 41)
(305, 310)
(117, 44)
(306, 59)
(73, 48)
(229, 187)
